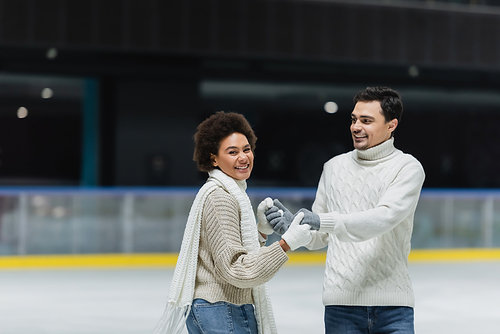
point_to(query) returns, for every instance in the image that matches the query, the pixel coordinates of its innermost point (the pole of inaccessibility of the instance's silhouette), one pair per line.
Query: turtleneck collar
(377, 152)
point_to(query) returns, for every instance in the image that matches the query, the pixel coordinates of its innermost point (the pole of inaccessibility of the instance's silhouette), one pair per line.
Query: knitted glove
(297, 235)
(279, 217)
(262, 224)
(310, 218)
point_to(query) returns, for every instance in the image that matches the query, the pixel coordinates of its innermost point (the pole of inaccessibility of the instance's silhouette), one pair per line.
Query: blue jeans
(368, 320)
(221, 318)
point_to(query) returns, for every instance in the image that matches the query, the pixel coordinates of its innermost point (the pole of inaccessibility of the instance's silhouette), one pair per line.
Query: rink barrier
(168, 260)
(454, 255)
(62, 220)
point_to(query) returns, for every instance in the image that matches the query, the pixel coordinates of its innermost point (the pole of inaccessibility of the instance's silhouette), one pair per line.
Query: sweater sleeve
(232, 262)
(319, 239)
(397, 203)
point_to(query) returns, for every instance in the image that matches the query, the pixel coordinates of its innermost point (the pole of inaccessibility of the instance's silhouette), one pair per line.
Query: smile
(242, 167)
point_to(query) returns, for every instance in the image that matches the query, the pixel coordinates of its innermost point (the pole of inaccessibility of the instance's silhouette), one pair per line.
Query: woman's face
(235, 157)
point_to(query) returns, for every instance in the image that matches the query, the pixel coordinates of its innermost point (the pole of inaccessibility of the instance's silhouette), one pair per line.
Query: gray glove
(297, 235)
(279, 217)
(310, 218)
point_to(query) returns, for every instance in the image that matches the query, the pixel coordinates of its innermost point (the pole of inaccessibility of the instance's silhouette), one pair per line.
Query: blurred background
(99, 101)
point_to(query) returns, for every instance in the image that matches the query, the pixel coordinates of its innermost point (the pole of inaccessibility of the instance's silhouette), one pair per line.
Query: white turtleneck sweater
(366, 201)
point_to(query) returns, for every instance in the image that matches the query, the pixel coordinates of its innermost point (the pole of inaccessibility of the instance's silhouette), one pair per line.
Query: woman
(222, 266)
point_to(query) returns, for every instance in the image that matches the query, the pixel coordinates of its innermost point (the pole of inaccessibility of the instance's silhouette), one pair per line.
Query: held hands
(263, 225)
(297, 235)
(310, 218)
(280, 218)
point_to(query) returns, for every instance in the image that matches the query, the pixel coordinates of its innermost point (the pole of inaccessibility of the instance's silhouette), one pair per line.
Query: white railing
(80, 221)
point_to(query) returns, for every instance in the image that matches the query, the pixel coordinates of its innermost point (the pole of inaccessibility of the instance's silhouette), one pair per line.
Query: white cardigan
(366, 201)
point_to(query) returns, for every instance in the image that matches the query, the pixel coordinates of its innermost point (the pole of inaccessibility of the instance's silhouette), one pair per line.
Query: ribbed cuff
(328, 221)
(278, 255)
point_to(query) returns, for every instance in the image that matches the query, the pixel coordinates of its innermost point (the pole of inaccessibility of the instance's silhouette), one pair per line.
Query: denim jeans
(368, 320)
(221, 318)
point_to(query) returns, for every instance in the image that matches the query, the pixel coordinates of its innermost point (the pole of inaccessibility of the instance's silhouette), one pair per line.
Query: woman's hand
(262, 224)
(297, 235)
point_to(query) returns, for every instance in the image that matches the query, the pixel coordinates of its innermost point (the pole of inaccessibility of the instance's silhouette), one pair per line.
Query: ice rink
(450, 298)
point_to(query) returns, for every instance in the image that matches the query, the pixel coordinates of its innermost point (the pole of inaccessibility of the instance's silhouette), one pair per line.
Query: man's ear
(393, 124)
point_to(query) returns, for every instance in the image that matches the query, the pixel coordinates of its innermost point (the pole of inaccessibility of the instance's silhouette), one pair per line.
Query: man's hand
(297, 235)
(279, 217)
(310, 218)
(262, 224)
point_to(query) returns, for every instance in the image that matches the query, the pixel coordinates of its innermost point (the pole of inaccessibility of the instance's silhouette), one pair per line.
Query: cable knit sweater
(366, 201)
(226, 272)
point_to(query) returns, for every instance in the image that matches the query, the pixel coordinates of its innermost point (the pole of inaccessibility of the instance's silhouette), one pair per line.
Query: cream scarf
(180, 296)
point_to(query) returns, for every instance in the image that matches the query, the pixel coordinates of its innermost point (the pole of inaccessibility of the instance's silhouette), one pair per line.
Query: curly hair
(213, 130)
(389, 99)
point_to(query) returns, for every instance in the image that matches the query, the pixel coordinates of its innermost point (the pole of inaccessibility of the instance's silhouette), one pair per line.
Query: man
(363, 211)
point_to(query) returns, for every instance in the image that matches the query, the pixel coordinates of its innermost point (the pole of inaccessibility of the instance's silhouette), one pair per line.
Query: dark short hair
(390, 101)
(213, 130)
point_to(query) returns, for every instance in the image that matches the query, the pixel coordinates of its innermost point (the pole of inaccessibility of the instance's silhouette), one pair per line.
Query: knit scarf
(181, 291)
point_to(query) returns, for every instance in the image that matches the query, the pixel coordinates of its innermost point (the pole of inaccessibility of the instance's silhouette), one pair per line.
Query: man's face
(368, 125)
